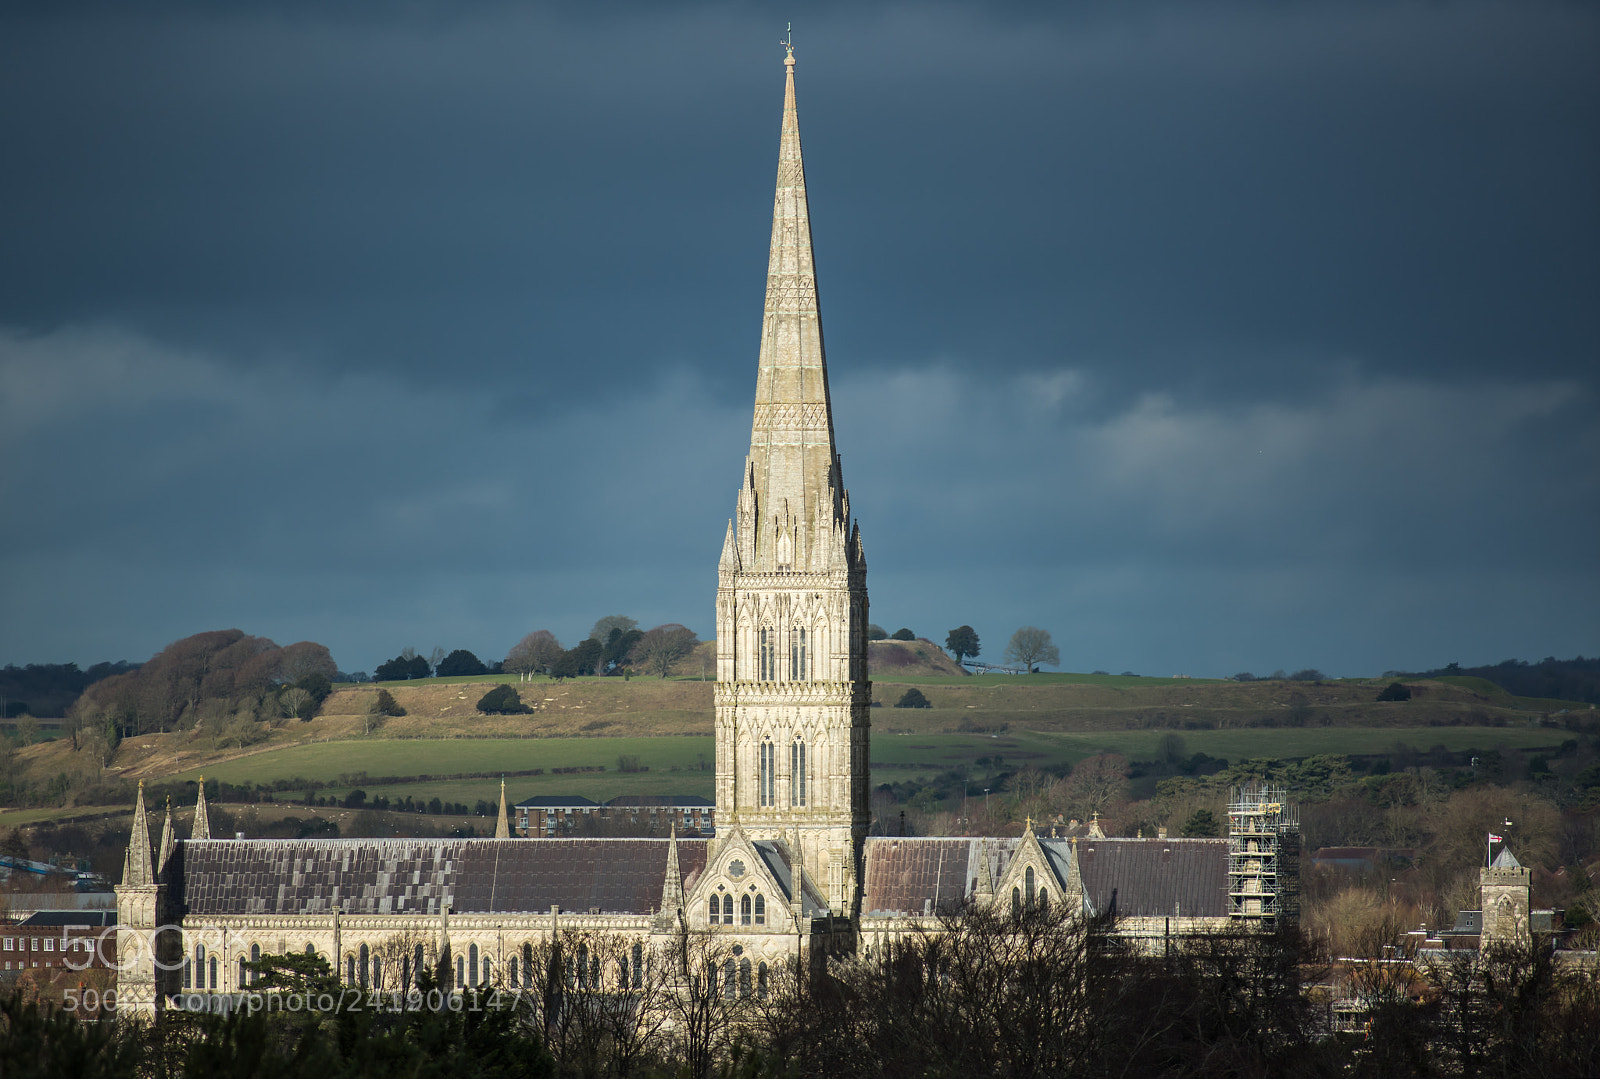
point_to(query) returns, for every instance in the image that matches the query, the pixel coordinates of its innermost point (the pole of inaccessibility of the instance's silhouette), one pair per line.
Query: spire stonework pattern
(169, 839)
(202, 823)
(139, 869)
(792, 695)
(502, 827)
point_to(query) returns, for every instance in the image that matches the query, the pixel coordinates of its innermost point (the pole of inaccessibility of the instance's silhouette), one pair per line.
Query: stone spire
(502, 827)
(169, 839)
(137, 869)
(794, 512)
(202, 823)
(672, 886)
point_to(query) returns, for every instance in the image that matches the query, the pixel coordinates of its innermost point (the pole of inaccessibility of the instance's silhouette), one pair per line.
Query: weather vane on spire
(788, 38)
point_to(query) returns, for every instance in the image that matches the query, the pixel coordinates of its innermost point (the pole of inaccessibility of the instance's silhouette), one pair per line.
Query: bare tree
(291, 700)
(538, 651)
(395, 960)
(661, 649)
(600, 1000)
(1031, 646)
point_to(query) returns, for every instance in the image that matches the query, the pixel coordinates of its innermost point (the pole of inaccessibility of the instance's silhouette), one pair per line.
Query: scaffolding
(1263, 857)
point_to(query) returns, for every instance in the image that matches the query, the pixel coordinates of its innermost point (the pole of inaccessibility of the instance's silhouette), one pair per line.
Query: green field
(1045, 748)
(327, 761)
(677, 764)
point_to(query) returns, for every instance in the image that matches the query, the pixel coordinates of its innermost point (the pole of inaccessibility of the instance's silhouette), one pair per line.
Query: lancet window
(766, 654)
(797, 654)
(766, 787)
(797, 773)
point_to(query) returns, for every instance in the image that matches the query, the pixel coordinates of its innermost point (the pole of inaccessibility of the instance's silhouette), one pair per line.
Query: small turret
(502, 826)
(169, 840)
(672, 885)
(137, 869)
(202, 824)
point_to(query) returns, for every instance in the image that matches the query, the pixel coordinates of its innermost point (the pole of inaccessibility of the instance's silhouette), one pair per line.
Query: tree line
(1031, 991)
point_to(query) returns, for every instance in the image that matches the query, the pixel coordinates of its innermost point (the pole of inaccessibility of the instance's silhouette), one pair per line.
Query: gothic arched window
(729, 986)
(583, 966)
(1027, 885)
(638, 966)
(716, 909)
(405, 972)
(361, 967)
(744, 977)
(1016, 901)
(255, 957)
(797, 773)
(1044, 899)
(766, 653)
(727, 910)
(761, 909)
(200, 966)
(744, 910)
(766, 787)
(761, 981)
(527, 965)
(418, 960)
(797, 654)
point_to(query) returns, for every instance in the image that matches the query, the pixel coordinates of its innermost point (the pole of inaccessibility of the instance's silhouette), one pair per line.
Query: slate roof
(397, 876)
(86, 918)
(775, 856)
(1146, 877)
(553, 801)
(1154, 878)
(676, 801)
(917, 876)
(1505, 860)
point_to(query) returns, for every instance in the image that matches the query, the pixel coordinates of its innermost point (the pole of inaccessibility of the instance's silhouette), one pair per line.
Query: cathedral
(792, 871)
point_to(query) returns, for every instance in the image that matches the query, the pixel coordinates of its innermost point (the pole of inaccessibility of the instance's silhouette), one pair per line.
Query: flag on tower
(1495, 839)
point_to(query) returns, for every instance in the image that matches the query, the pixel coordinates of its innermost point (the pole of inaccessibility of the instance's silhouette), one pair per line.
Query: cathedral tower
(792, 696)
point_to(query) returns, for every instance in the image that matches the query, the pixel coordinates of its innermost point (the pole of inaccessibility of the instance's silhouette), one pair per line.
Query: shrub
(387, 705)
(502, 700)
(875, 632)
(913, 698)
(1394, 691)
(903, 634)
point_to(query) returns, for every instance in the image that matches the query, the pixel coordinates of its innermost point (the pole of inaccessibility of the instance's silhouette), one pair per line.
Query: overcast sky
(1207, 337)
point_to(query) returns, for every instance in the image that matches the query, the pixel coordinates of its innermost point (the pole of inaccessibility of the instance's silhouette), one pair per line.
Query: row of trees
(409, 664)
(218, 679)
(1029, 646)
(616, 645)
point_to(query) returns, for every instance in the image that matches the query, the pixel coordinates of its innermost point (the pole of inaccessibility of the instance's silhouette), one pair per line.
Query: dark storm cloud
(1213, 337)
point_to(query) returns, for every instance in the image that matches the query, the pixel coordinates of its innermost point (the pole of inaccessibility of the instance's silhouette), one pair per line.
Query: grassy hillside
(590, 723)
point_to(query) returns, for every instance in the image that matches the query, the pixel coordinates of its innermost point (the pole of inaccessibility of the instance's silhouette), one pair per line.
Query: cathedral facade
(792, 872)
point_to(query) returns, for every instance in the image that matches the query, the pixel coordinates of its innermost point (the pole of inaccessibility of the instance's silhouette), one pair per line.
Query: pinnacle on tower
(137, 869)
(502, 827)
(202, 824)
(672, 886)
(169, 839)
